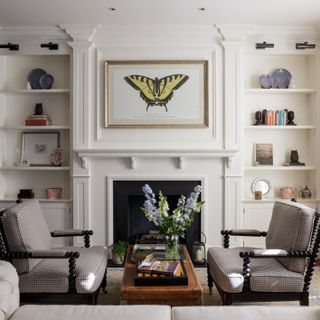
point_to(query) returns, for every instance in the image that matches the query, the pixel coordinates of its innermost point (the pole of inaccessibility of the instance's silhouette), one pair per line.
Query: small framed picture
(37, 147)
(263, 154)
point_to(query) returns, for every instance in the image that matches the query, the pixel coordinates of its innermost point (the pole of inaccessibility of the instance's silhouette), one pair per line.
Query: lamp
(264, 45)
(50, 46)
(305, 45)
(10, 46)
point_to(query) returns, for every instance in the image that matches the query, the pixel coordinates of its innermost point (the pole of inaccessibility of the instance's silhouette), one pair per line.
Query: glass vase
(172, 248)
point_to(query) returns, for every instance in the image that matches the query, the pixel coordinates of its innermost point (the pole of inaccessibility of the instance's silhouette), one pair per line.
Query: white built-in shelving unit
(303, 99)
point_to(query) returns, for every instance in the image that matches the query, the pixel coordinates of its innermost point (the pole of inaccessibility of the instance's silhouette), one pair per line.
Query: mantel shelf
(280, 91)
(275, 168)
(135, 154)
(35, 91)
(11, 199)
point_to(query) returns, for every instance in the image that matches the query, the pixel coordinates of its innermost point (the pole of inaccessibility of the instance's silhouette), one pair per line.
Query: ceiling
(161, 12)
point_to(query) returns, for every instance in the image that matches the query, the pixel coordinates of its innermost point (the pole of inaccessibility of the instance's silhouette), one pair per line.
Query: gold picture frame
(156, 93)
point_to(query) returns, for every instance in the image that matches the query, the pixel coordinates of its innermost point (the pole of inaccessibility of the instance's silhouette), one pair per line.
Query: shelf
(280, 127)
(34, 168)
(267, 199)
(32, 128)
(35, 91)
(40, 200)
(280, 168)
(280, 91)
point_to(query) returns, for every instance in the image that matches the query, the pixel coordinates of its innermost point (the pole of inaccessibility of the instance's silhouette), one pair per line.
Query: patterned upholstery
(51, 275)
(268, 275)
(26, 230)
(290, 229)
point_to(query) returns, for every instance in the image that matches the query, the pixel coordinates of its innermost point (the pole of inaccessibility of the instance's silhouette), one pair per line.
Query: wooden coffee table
(170, 295)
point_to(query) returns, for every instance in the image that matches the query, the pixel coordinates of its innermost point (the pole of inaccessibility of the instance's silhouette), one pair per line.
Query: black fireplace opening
(129, 222)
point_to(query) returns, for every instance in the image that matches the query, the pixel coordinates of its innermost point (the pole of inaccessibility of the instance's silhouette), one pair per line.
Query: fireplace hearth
(129, 223)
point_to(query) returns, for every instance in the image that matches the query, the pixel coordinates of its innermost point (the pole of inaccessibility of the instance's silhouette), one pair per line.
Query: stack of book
(38, 120)
(160, 267)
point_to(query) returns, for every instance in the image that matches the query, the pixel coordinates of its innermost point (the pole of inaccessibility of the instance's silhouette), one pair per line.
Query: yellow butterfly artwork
(156, 92)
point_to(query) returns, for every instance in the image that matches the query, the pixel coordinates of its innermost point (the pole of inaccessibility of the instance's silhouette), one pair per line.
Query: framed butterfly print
(156, 93)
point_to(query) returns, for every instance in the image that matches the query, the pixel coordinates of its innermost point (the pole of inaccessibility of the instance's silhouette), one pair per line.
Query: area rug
(115, 277)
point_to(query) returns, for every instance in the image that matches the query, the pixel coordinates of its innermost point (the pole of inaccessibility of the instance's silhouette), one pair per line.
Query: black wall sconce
(305, 45)
(10, 46)
(264, 45)
(50, 46)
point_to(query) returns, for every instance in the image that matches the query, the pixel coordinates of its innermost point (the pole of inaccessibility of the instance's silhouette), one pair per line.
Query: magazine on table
(165, 267)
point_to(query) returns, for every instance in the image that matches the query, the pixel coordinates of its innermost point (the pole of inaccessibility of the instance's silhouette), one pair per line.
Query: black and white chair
(47, 274)
(282, 271)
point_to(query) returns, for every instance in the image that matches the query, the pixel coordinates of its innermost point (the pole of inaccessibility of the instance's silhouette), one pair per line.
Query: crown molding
(168, 35)
(33, 33)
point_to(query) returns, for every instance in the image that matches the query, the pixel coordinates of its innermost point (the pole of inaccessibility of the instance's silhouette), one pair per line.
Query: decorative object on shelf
(38, 118)
(50, 45)
(305, 45)
(306, 193)
(54, 193)
(290, 119)
(173, 225)
(25, 163)
(25, 194)
(119, 250)
(294, 159)
(40, 79)
(265, 81)
(258, 117)
(263, 153)
(258, 195)
(38, 109)
(264, 45)
(34, 77)
(199, 250)
(46, 81)
(262, 185)
(288, 193)
(37, 147)
(10, 46)
(169, 93)
(57, 157)
(281, 78)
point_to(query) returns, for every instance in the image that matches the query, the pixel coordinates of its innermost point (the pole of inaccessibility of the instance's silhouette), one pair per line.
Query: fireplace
(129, 223)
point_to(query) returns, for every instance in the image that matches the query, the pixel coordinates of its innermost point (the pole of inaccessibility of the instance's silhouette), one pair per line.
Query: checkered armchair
(282, 271)
(68, 274)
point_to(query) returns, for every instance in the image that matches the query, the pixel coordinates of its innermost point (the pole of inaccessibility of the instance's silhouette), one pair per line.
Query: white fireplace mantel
(135, 154)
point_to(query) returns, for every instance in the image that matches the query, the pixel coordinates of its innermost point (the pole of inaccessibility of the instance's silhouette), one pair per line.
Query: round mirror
(262, 185)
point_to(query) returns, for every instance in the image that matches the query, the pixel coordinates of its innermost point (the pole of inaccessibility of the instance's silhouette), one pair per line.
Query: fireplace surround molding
(135, 154)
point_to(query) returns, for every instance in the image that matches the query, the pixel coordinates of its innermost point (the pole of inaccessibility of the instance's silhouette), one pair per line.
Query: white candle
(199, 255)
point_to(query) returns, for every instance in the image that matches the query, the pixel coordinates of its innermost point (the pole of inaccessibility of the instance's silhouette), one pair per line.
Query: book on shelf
(38, 120)
(160, 267)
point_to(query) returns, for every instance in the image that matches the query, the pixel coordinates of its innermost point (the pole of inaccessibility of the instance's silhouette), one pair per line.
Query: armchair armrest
(275, 253)
(74, 233)
(49, 254)
(240, 232)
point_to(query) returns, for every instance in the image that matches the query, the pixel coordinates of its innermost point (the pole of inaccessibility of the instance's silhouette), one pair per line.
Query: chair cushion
(26, 230)
(51, 275)
(290, 229)
(267, 274)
